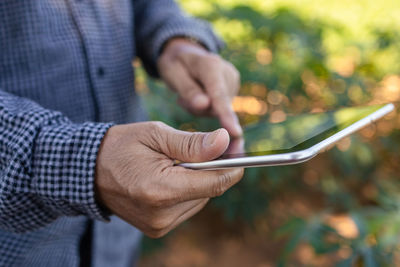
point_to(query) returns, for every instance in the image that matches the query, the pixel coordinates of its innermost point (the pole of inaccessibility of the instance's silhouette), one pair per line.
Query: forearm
(47, 165)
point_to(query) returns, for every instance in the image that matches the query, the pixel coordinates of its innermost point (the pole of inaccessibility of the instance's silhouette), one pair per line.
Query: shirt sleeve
(47, 165)
(157, 21)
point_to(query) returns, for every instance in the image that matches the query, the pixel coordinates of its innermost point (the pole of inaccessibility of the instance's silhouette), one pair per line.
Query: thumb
(194, 147)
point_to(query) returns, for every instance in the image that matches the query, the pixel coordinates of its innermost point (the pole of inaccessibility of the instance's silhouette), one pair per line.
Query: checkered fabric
(65, 77)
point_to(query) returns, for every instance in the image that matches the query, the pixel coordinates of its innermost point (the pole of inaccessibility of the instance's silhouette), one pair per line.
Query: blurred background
(342, 208)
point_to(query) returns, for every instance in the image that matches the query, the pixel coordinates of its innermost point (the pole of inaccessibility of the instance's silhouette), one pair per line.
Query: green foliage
(311, 64)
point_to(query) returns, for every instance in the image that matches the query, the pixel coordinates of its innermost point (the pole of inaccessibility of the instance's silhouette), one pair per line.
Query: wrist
(178, 43)
(105, 160)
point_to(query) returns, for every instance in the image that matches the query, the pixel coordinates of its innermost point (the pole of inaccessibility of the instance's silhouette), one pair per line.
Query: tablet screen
(296, 133)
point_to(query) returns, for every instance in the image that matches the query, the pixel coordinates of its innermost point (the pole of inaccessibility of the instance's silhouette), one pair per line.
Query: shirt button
(100, 72)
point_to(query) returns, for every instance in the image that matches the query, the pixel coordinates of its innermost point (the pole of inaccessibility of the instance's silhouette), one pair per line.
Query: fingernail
(238, 129)
(210, 138)
(200, 100)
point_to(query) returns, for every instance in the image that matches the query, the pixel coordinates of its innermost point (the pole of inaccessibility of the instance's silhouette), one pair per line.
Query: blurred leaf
(318, 59)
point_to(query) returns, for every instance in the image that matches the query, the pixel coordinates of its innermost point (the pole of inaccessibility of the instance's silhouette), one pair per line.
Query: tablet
(295, 140)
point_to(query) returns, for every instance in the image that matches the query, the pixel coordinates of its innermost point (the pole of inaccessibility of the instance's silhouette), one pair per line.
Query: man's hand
(206, 83)
(137, 180)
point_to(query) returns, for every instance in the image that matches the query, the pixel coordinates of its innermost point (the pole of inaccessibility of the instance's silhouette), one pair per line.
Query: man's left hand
(205, 82)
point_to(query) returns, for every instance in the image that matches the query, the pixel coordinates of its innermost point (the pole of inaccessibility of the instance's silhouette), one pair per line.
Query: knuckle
(156, 125)
(219, 93)
(154, 128)
(232, 68)
(239, 174)
(155, 134)
(219, 191)
(236, 75)
(156, 234)
(159, 224)
(190, 92)
(210, 62)
(153, 199)
(157, 202)
(233, 77)
(189, 145)
(214, 59)
(224, 182)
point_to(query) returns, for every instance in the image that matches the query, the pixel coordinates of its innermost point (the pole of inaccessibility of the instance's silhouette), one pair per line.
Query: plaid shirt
(65, 74)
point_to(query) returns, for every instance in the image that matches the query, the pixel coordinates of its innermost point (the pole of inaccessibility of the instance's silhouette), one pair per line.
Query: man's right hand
(137, 180)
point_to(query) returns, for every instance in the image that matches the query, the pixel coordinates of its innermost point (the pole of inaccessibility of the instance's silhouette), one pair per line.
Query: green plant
(292, 63)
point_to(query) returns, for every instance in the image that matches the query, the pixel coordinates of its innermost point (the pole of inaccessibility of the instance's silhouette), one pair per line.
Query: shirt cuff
(194, 28)
(64, 168)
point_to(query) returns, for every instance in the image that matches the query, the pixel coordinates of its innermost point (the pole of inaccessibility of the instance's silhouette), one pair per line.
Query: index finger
(221, 102)
(227, 117)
